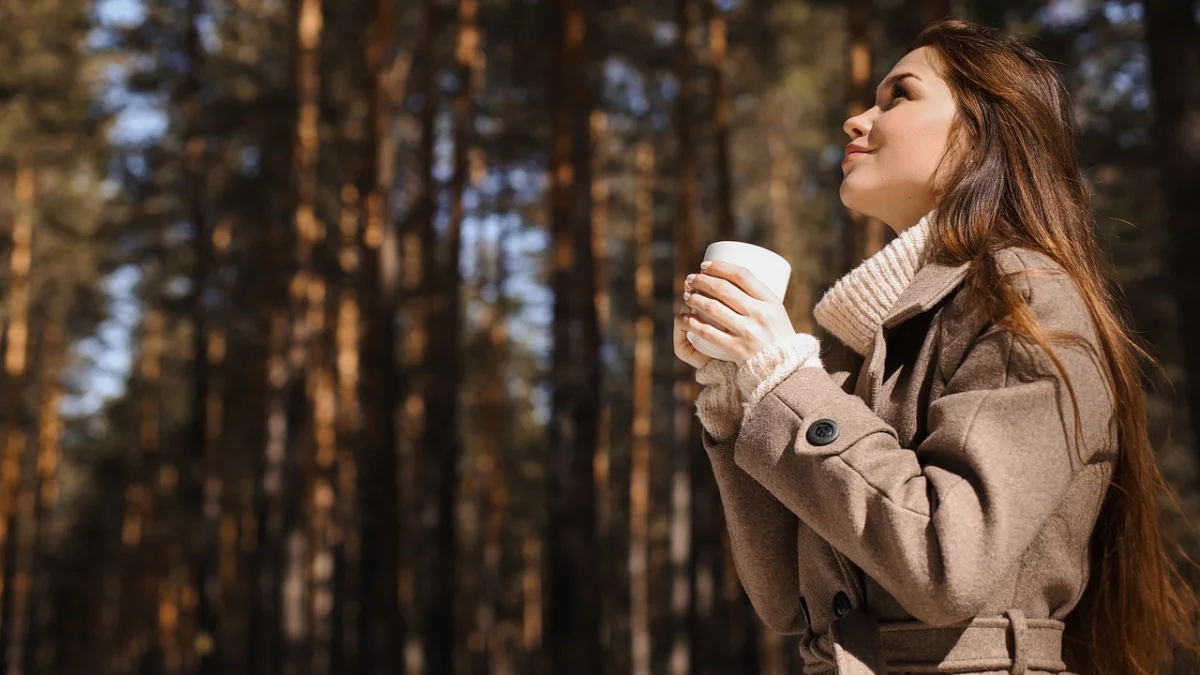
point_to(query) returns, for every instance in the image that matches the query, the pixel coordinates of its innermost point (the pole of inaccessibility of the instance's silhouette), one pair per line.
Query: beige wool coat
(926, 509)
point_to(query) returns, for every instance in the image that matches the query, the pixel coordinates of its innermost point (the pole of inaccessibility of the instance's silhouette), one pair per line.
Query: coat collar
(895, 284)
(857, 303)
(933, 282)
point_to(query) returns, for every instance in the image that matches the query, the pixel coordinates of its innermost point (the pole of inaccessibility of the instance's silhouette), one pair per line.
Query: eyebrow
(888, 82)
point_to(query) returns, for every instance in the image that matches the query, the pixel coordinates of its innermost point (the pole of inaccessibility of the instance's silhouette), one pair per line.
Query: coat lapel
(932, 283)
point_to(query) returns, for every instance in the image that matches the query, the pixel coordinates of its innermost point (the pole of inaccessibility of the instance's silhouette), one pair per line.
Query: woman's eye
(898, 93)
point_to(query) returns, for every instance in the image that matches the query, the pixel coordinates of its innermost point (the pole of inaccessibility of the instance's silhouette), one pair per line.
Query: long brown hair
(1011, 178)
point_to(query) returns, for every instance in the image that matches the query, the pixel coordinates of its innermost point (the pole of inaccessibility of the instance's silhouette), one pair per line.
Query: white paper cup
(770, 268)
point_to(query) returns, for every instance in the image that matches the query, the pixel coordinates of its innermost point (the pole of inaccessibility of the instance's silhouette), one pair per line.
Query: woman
(948, 486)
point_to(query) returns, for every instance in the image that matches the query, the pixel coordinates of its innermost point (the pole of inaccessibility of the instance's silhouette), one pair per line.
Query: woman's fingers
(714, 312)
(684, 349)
(740, 278)
(707, 331)
(722, 290)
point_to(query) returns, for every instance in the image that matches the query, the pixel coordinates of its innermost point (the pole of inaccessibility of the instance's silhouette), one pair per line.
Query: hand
(740, 314)
(683, 346)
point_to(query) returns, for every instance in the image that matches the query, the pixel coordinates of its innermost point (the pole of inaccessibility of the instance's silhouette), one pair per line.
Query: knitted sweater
(851, 310)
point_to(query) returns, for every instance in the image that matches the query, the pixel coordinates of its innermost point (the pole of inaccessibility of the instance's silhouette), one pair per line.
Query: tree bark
(297, 544)
(44, 498)
(418, 284)
(13, 427)
(643, 387)
(1173, 42)
(722, 117)
(603, 304)
(202, 530)
(382, 630)
(439, 452)
(274, 461)
(29, 514)
(443, 444)
(144, 549)
(684, 465)
(492, 614)
(572, 593)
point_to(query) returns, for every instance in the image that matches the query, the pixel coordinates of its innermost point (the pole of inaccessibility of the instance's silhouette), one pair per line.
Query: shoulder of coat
(1053, 296)
(1034, 272)
(1016, 258)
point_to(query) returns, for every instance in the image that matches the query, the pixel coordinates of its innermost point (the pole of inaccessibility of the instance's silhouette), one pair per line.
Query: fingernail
(704, 265)
(689, 278)
(686, 295)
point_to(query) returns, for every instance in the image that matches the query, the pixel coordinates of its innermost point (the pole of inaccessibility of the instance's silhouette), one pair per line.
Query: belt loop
(856, 644)
(1016, 621)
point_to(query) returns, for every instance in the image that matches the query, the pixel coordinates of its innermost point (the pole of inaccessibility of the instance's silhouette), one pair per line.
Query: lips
(852, 151)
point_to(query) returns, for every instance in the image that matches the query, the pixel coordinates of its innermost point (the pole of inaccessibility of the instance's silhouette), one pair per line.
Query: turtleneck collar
(854, 307)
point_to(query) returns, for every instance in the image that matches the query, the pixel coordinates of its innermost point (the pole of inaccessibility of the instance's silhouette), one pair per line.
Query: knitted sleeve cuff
(719, 404)
(766, 369)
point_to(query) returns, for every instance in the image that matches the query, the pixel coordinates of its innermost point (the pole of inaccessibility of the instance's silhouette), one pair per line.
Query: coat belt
(864, 646)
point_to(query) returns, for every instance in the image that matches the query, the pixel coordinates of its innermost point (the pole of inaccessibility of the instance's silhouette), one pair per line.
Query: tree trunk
(274, 457)
(201, 531)
(45, 503)
(643, 387)
(572, 593)
(722, 117)
(438, 451)
(443, 444)
(721, 635)
(684, 622)
(142, 564)
(491, 616)
(13, 432)
(382, 631)
(603, 304)
(419, 260)
(28, 516)
(321, 410)
(346, 545)
(1173, 42)
(224, 440)
(297, 545)
(265, 648)
(24, 534)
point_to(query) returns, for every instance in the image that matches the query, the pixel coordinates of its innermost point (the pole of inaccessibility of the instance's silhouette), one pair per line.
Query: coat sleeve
(937, 525)
(763, 534)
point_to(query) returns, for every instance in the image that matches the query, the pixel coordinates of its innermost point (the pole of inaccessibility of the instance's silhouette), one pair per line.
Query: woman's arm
(761, 529)
(937, 526)
(762, 534)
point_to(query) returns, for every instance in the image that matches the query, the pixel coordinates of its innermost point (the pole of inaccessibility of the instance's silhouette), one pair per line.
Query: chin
(856, 199)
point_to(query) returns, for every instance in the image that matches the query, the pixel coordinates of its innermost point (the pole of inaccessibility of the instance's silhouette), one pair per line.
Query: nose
(858, 125)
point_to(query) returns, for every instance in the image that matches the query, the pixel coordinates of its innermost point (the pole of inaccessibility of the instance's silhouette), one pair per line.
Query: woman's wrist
(773, 364)
(719, 403)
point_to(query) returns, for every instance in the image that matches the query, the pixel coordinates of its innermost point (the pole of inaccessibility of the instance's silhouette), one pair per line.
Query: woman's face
(896, 146)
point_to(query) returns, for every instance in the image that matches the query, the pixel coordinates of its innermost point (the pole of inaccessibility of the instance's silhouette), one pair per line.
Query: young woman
(962, 481)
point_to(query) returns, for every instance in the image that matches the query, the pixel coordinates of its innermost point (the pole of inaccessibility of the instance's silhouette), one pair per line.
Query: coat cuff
(719, 404)
(795, 460)
(774, 364)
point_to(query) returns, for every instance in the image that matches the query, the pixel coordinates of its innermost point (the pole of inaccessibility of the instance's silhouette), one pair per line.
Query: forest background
(336, 334)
